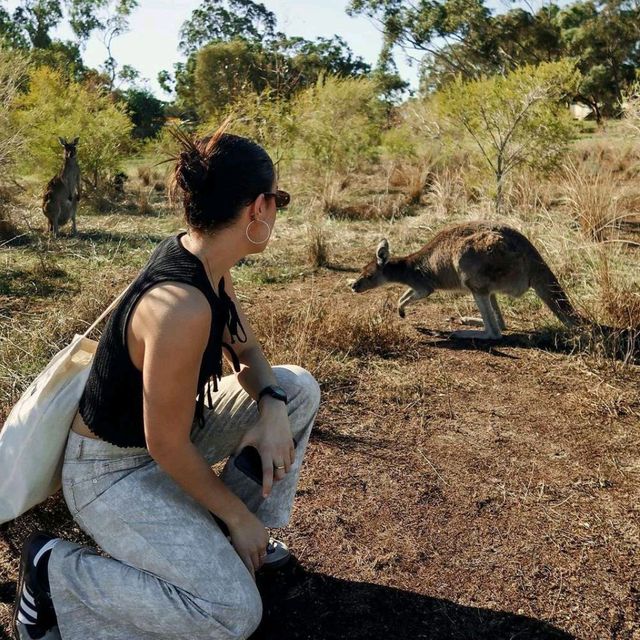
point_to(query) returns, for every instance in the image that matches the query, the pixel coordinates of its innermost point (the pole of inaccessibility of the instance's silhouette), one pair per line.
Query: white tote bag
(33, 439)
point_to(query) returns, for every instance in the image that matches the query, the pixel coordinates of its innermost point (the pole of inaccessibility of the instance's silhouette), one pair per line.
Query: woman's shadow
(300, 604)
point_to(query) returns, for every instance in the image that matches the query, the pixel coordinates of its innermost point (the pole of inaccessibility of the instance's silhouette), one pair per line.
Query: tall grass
(594, 200)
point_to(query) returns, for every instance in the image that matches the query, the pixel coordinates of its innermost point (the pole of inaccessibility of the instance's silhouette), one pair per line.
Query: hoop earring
(266, 224)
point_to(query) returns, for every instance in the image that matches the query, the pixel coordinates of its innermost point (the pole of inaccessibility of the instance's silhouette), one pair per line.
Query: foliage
(338, 123)
(261, 117)
(31, 24)
(13, 72)
(464, 38)
(220, 73)
(146, 112)
(55, 106)
(603, 38)
(514, 120)
(233, 47)
(224, 20)
(224, 71)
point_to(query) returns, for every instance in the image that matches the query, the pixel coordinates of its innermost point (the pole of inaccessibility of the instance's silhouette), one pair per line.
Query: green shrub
(262, 117)
(56, 107)
(338, 123)
(13, 70)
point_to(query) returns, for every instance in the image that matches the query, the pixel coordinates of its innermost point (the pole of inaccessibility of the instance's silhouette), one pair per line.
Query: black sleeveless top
(111, 405)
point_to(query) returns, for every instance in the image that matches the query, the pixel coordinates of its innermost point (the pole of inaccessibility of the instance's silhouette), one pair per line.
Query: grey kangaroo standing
(478, 257)
(61, 197)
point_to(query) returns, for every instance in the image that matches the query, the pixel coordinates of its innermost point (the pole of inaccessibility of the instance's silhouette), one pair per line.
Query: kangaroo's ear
(63, 141)
(75, 141)
(382, 252)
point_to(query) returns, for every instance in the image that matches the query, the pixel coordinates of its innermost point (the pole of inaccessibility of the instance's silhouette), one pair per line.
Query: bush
(262, 117)
(13, 71)
(338, 124)
(56, 107)
(146, 113)
(517, 120)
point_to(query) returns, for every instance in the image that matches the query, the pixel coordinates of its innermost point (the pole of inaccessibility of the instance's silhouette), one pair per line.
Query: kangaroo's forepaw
(401, 312)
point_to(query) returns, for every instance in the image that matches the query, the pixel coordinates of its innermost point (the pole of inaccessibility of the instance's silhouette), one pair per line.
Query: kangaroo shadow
(300, 604)
(132, 240)
(552, 341)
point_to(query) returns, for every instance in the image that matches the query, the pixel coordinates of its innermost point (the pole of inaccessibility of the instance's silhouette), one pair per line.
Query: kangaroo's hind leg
(409, 297)
(74, 209)
(492, 330)
(496, 310)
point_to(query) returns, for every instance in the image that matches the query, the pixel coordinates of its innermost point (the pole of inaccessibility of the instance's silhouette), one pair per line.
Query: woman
(184, 544)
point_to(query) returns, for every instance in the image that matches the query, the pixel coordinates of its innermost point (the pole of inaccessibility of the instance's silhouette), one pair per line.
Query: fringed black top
(111, 404)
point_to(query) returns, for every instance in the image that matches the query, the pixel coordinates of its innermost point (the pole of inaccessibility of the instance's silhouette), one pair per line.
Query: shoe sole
(23, 564)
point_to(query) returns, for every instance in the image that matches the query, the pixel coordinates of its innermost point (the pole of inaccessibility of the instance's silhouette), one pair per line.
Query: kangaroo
(478, 257)
(61, 197)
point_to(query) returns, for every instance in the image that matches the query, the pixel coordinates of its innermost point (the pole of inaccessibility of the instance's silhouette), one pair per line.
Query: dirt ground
(452, 490)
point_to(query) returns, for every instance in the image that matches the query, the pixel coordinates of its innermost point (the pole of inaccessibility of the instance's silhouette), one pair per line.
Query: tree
(222, 71)
(514, 120)
(233, 46)
(225, 20)
(604, 38)
(464, 38)
(146, 112)
(32, 21)
(56, 106)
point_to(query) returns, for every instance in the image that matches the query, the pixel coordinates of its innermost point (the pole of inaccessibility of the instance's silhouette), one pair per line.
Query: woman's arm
(272, 434)
(172, 324)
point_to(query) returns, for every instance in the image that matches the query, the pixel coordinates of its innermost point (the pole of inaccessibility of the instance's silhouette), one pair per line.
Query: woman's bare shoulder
(173, 307)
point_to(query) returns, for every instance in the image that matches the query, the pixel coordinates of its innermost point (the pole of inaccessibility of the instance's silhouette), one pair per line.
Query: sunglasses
(282, 198)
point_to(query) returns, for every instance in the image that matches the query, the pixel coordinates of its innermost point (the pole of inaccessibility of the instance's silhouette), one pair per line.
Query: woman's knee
(239, 614)
(299, 384)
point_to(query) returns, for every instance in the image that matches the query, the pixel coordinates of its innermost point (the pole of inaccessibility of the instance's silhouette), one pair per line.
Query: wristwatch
(275, 392)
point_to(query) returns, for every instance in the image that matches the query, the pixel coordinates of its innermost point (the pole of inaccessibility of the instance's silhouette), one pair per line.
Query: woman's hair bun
(192, 170)
(218, 175)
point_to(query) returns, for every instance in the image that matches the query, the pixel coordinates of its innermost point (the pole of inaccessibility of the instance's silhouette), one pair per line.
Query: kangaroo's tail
(546, 285)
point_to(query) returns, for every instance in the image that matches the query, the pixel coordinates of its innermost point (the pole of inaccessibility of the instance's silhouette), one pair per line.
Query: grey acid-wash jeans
(172, 573)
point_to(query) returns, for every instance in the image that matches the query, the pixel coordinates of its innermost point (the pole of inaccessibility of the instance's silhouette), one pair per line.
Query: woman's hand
(271, 436)
(249, 538)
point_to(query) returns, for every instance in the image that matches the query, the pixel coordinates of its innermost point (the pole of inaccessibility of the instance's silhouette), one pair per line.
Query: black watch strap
(275, 392)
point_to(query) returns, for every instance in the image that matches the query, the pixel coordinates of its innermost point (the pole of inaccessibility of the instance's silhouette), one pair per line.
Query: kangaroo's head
(373, 275)
(70, 148)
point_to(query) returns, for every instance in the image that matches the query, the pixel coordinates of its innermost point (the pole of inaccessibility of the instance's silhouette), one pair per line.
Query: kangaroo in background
(61, 197)
(479, 257)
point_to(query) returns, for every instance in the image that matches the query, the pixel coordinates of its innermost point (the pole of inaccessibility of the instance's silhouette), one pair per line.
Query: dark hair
(218, 175)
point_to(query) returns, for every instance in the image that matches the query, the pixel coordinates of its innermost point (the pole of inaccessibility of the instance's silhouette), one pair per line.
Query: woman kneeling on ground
(184, 544)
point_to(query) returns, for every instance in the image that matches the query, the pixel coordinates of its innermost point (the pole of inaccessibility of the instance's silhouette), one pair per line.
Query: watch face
(275, 392)
(279, 392)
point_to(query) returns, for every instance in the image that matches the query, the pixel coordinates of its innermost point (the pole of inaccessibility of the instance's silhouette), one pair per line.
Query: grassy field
(452, 490)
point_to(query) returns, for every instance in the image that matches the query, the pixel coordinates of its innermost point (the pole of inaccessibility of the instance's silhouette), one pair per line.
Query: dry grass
(594, 200)
(144, 174)
(479, 514)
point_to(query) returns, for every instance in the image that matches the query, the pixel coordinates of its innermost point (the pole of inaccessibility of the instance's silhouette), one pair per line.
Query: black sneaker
(34, 617)
(278, 555)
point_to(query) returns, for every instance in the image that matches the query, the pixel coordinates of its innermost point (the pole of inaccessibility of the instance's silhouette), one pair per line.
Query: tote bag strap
(107, 311)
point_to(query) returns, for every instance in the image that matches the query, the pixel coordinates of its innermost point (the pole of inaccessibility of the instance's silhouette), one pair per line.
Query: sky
(152, 42)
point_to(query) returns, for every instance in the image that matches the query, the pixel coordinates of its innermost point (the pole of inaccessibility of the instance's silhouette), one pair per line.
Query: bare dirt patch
(451, 490)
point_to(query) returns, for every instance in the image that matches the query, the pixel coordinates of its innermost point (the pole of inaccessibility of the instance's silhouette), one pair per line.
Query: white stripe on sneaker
(25, 608)
(45, 548)
(27, 596)
(22, 619)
